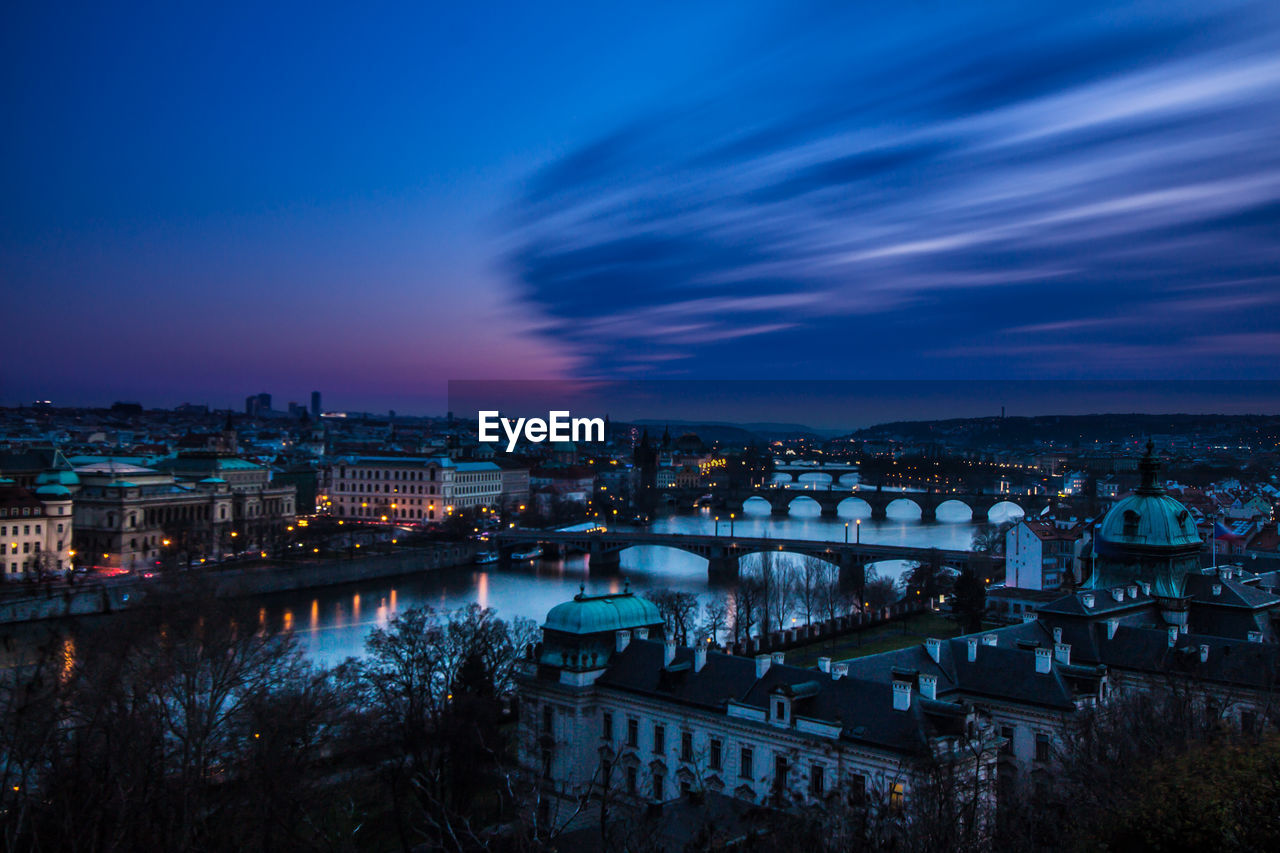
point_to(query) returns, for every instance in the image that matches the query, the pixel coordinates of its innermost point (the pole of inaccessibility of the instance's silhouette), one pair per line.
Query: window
(817, 780)
(606, 725)
(1248, 721)
(546, 764)
(657, 786)
(1006, 732)
(744, 763)
(631, 780)
(779, 772)
(633, 732)
(659, 738)
(857, 789)
(895, 796)
(548, 716)
(714, 757)
(1042, 746)
(686, 746)
(780, 710)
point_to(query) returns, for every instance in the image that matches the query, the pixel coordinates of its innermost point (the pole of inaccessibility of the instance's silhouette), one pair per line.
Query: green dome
(1149, 521)
(598, 614)
(53, 490)
(1148, 536)
(63, 477)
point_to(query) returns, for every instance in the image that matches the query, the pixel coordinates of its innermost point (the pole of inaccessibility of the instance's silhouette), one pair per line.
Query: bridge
(724, 553)
(781, 499)
(834, 470)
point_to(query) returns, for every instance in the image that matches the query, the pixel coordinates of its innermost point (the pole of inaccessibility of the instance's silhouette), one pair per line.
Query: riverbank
(91, 598)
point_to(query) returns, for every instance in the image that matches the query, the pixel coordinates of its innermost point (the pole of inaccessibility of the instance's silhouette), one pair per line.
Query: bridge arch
(904, 508)
(807, 506)
(1005, 511)
(757, 505)
(853, 507)
(815, 478)
(954, 509)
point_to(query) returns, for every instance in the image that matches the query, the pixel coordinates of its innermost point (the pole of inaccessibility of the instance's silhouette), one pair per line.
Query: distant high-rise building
(315, 404)
(256, 404)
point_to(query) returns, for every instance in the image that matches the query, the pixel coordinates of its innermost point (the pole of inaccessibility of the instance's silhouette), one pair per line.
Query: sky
(202, 202)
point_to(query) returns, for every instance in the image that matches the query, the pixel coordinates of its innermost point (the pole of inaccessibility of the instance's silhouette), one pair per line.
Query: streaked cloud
(1016, 189)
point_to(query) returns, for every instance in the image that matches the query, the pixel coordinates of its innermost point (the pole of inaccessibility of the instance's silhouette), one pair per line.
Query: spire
(1150, 467)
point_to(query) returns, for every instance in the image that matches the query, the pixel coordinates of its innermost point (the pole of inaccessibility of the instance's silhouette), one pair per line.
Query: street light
(732, 516)
(846, 533)
(858, 527)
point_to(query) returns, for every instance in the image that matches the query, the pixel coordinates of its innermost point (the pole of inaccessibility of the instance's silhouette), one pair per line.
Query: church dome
(53, 491)
(1148, 536)
(598, 614)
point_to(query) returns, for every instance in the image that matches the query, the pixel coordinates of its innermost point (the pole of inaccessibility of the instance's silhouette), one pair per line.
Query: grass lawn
(882, 638)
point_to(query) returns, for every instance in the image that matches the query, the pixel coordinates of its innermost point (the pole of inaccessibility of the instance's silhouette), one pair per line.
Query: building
(257, 404)
(36, 529)
(316, 408)
(199, 506)
(667, 721)
(405, 489)
(1044, 553)
(603, 701)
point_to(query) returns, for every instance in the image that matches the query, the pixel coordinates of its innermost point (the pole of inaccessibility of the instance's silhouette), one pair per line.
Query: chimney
(1057, 635)
(621, 640)
(762, 665)
(1217, 590)
(1255, 636)
(1173, 636)
(699, 657)
(779, 657)
(929, 686)
(1204, 653)
(824, 665)
(1028, 617)
(1133, 591)
(839, 671)
(1044, 660)
(642, 633)
(989, 639)
(1146, 587)
(1118, 593)
(973, 649)
(1062, 652)
(668, 651)
(934, 647)
(1112, 625)
(1087, 599)
(901, 696)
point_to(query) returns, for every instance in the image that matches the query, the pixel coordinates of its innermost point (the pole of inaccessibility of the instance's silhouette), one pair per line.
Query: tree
(747, 605)
(716, 619)
(679, 610)
(989, 539)
(879, 592)
(969, 600)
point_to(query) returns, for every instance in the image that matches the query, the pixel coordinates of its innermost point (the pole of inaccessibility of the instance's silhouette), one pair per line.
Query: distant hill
(729, 433)
(1067, 429)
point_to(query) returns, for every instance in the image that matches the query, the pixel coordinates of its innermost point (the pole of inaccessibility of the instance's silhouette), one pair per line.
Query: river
(333, 622)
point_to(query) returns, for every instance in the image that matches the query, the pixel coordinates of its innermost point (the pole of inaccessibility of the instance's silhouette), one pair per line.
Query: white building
(35, 530)
(1044, 553)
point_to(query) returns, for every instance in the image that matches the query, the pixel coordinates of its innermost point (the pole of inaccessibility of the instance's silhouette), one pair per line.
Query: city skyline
(378, 205)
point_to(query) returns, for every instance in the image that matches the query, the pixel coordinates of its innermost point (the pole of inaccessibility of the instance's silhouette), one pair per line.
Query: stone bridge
(724, 553)
(829, 500)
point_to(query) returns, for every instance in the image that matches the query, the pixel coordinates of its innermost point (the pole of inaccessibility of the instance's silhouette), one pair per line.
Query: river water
(333, 622)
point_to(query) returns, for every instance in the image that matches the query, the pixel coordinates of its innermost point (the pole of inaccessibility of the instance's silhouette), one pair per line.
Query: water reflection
(531, 589)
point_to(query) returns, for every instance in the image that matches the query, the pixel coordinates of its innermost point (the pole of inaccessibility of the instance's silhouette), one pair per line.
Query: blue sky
(202, 202)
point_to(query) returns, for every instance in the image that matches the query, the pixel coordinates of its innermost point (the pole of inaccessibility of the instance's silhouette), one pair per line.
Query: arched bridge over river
(724, 553)
(829, 500)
